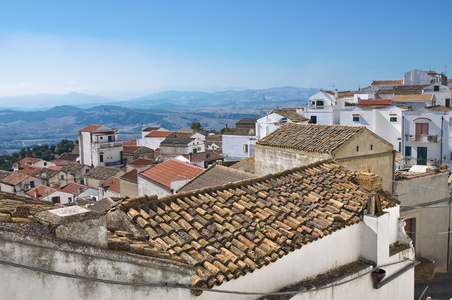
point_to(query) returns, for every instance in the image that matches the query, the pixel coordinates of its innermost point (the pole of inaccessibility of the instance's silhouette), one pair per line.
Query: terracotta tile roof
(46, 173)
(151, 128)
(26, 169)
(3, 174)
(214, 176)
(73, 168)
(171, 170)
(249, 161)
(101, 172)
(247, 121)
(15, 178)
(156, 133)
(102, 205)
(346, 94)
(39, 192)
(68, 157)
(226, 232)
(112, 184)
(403, 90)
(438, 108)
(387, 82)
(55, 168)
(131, 176)
(176, 142)
(375, 102)
(413, 98)
(311, 137)
(73, 188)
(239, 131)
(130, 149)
(431, 72)
(15, 209)
(141, 162)
(27, 161)
(330, 93)
(290, 113)
(90, 128)
(208, 155)
(180, 135)
(130, 143)
(405, 174)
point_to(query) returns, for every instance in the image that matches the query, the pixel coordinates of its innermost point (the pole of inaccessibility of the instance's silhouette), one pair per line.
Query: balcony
(318, 107)
(109, 145)
(422, 138)
(410, 161)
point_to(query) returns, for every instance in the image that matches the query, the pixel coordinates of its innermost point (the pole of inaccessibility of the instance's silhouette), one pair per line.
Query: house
(96, 177)
(99, 146)
(424, 197)
(49, 194)
(73, 172)
(262, 235)
(426, 136)
(355, 148)
(414, 100)
(19, 183)
(238, 144)
(153, 139)
(110, 188)
(29, 170)
(379, 116)
(67, 157)
(214, 142)
(180, 143)
(166, 178)
(443, 93)
(50, 177)
(277, 118)
(51, 252)
(201, 159)
(195, 133)
(418, 77)
(146, 130)
(130, 153)
(81, 191)
(32, 161)
(140, 164)
(215, 175)
(323, 108)
(246, 123)
(128, 184)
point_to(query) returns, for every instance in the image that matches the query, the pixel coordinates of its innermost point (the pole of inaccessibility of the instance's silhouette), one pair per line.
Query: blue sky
(127, 48)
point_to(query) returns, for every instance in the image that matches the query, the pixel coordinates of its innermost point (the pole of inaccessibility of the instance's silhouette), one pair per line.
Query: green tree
(196, 125)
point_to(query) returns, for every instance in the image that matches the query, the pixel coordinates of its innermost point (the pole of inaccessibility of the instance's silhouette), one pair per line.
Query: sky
(122, 49)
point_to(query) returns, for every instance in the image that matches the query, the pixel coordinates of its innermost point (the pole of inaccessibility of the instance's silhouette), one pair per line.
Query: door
(421, 155)
(314, 119)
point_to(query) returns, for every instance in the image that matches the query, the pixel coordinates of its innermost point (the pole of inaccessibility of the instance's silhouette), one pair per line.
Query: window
(110, 138)
(62, 177)
(410, 229)
(101, 158)
(319, 103)
(45, 164)
(392, 119)
(87, 170)
(447, 104)
(314, 119)
(245, 148)
(355, 118)
(371, 147)
(32, 184)
(357, 148)
(400, 146)
(436, 88)
(407, 150)
(421, 129)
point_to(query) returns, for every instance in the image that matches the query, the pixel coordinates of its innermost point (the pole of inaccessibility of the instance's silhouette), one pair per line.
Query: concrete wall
(146, 187)
(91, 262)
(430, 237)
(128, 188)
(270, 160)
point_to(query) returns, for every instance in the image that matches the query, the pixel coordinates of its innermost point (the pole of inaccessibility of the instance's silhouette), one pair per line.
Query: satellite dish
(43, 175)
(47, 191)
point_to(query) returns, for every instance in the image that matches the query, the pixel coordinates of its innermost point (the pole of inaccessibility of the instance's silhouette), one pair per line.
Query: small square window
(371, 147)
(392, 119)
(407, 150)
(355, 118)
(436, 88)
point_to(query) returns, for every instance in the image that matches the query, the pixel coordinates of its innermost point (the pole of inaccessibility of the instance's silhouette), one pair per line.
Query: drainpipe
(441, 150)
(402, 144)
(448, 237)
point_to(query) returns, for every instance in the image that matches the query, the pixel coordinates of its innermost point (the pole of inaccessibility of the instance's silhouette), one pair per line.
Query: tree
(196, 125)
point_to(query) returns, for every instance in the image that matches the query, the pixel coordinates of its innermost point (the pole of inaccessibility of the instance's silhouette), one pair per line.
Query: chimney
(36, 193)
(226, 125)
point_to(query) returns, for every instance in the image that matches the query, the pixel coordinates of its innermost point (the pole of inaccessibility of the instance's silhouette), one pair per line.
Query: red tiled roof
(130, 149)
(73, 188)
(171, 170)
(26, 169)
(141, 162)
(27, 161)
(15, 178)
(387, 82)
(39, 192)
(90, 128)
(330, 92)
(413, 98)
(131, 176)
(375, 102)
(156, 152)
(345, 94)
(157, 133)
(112, 184)
(130, 143)
(55, 167)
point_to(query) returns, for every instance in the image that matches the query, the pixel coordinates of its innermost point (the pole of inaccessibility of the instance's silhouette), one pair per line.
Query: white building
(238, 144)
(324, 108)
(277, 118)
(443, 93)
(99, 146)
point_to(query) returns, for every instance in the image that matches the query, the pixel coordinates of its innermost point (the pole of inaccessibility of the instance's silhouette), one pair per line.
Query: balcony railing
(110, 145)
(426, 161)
(423, 138)
(314, 107)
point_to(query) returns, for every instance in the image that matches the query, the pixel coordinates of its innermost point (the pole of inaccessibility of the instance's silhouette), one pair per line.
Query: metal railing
(423, 138)
(109, 145)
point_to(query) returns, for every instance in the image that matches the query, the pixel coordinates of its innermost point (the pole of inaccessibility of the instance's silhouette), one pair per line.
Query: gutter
(396, 274)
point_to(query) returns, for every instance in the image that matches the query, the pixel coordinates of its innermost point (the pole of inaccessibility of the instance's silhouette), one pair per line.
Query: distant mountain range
(171, 110)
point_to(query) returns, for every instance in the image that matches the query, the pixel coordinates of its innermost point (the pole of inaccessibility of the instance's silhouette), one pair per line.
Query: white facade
(100, 147)
(370, 239)
(426, 137)
(324, 108)
(385, 121)
(271, 122)
(443, 93)
(238, 147)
